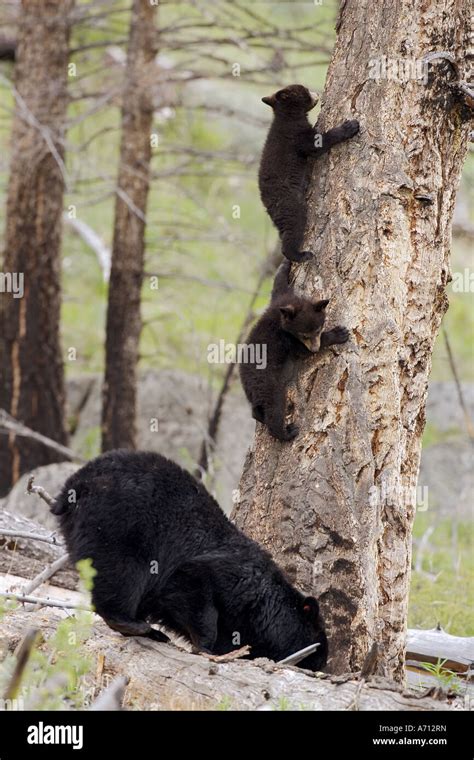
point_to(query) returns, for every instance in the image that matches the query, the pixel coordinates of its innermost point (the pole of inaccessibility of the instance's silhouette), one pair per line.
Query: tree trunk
(31, 366)
(123, 313)
(336, 506)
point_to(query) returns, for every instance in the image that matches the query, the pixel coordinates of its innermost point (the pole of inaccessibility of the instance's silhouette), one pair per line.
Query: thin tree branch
(23, 655)
(462, 402)
(11, 425)
(45, 601)
(48, 539)
(46, 574)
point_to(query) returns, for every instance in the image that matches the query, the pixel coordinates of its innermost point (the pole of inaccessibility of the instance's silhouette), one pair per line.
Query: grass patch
(443, 591)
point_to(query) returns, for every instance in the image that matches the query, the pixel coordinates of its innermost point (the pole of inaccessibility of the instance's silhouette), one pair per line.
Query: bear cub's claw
(302, 256)
(350, 127)
(291, 431)
(340, 334)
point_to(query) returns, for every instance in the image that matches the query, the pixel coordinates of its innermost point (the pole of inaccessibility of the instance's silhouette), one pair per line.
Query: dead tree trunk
(123, 313)
(336, 506)
(31, 366)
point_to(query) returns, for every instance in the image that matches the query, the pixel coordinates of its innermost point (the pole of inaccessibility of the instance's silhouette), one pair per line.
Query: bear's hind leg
(275, 420)
(292, 228)
(117, 600)
(135, 628)
(258, 413)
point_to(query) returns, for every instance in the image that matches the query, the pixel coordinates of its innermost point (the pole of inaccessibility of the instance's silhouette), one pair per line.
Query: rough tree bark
(123, 313)
(336, 506)
(31, 366)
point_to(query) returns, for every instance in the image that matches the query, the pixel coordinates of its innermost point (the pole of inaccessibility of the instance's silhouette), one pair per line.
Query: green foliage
(432, 435)
(447, 679)
(224, 704)
(443, 591)
(88, 445)
(56, 675)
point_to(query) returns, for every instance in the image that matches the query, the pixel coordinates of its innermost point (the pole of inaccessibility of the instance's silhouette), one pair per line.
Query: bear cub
(283, 170)
(291, 329)
(165, 553)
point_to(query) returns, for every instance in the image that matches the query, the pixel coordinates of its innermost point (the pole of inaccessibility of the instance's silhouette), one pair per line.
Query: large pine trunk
(336, 506)
(31, 365)
(123, 313)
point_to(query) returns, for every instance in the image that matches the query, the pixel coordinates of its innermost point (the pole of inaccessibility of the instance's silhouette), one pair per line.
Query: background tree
(336, 506)
(123, 312)
(31, 365)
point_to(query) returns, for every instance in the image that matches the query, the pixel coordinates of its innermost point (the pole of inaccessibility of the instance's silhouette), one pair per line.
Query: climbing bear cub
(291, 329)
(283, 167)
(165, 553)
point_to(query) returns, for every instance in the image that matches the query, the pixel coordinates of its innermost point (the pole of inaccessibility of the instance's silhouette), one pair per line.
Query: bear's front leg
(188, 600)
(336, 335)
(317, 143)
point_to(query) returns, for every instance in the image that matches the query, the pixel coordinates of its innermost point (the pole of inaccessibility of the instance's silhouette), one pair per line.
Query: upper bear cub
(283, 167)
(165, 553)
(291, 328)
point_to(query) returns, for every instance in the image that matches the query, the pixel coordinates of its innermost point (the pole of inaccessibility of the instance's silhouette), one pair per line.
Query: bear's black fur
(133, 512)
(283, 172)
(291, 329)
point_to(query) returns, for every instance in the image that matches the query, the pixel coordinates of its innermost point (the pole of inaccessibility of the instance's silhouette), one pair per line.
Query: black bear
(291, 329)
(165, 553)
(283, 172)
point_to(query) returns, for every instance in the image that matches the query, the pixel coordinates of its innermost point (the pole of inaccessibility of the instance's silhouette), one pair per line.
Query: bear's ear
(283, 95)
(288, 311)
(320, 305)
(310, 607)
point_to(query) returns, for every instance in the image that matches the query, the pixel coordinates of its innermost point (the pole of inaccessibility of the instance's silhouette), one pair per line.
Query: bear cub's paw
(340, 334)
(291, 431)
(350, 128)
(298, 257)
(305, 256)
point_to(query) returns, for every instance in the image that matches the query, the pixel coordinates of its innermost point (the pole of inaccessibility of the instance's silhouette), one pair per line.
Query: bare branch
(22, 657)
(44, 601)
(40, 491)
(94, 242)
(46, 574)
(47, 539)
(11, 425)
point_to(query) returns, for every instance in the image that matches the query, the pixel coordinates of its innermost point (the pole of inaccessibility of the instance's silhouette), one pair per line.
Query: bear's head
(310, 631)
(293, 100)
(318, 659)
(304, 320)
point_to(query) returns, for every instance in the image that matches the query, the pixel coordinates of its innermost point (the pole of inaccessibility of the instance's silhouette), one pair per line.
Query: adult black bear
(165, 553)
(283, 167)
(291, 329)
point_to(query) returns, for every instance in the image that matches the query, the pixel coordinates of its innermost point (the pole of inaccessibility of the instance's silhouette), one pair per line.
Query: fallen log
(436, 645)
(166, 677)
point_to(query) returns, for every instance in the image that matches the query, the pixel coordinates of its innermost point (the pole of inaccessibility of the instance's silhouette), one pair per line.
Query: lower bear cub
(165, 553)
(291, 329)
